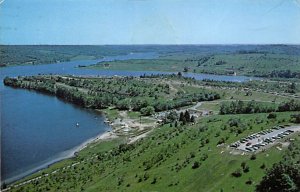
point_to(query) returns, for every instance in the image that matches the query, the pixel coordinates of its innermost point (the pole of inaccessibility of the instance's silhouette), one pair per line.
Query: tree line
(123, 93)
(242, 107)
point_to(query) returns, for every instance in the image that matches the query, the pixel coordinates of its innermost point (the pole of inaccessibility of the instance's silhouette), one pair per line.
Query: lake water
(37, 129)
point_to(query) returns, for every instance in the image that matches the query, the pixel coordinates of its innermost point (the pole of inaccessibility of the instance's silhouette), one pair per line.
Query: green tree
(295, 118)
(193, 118)
(149, 110)
(272, 116)
(187, 116)
(283, 177)
(123, 104)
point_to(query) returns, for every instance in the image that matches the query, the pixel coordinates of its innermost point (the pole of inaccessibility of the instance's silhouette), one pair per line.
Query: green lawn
(111, 114)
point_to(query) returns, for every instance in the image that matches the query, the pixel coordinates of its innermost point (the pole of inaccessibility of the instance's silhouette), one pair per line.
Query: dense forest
(137, 94)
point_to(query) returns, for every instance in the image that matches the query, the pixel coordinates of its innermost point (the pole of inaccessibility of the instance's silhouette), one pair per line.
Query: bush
(253, 157)
(196, 165)
(249, 181)
(243, 165)
(221, 141)
(192, 155)
(234, 122)
(204, 157)
(295, 118)
(149, 110)
(154, 180)
(246, 169)
(272, 116)
(146, 176)
(237, 173)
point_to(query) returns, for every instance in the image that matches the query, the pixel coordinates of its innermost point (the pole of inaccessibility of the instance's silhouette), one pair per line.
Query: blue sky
(149, 21)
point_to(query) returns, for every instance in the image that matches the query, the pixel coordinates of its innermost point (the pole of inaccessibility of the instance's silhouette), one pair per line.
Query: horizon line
(150, 44)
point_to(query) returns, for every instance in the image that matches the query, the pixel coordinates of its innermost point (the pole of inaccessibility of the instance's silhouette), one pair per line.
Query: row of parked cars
(280, 135)
(261, 141)
(267, 141)
(246, 139)
(235, 144)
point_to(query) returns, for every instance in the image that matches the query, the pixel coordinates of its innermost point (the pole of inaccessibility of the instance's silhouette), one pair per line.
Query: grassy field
(142, 65)
(254, 64)
(251, 64)
(165, 160)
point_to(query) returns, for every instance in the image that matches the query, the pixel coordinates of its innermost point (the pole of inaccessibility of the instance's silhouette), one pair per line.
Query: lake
(37, 129)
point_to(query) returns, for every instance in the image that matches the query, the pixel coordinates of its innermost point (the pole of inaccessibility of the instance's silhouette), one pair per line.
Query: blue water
(37, 129)
(71, 68)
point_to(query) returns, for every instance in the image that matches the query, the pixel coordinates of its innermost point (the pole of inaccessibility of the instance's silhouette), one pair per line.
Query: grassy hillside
(183, 158)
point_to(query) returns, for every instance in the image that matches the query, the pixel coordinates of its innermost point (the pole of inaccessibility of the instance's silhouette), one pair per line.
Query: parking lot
(264, 138)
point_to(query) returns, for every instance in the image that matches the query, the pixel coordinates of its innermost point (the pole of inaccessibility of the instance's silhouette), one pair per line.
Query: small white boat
(77, 124)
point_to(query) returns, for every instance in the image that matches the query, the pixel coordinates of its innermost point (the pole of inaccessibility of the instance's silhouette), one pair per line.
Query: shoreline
(209, 76)
(106, 135)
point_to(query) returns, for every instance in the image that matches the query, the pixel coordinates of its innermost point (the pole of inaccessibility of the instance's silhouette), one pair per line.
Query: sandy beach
(101, 137)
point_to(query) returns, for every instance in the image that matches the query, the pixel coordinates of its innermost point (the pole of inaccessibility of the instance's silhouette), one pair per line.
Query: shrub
(149, 110)
(272, 116)
(243, 165)
(192, 155)
(246, 169)
(140, 179)
(249, 181)
(204, 157)
(237, 173)
(253, 157)
(196, 165)
(221, 141)
(146, 176)
(154, 180)
(295, 118)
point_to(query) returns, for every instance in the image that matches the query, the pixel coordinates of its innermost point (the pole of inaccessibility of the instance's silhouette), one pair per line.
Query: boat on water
(77, 124)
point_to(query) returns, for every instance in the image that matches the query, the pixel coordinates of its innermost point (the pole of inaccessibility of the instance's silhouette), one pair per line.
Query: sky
(98, 22)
